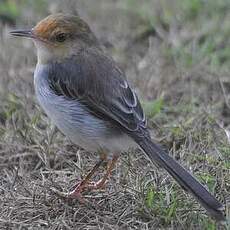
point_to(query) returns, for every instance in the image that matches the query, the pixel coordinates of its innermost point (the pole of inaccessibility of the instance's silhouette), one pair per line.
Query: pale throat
(46, 54)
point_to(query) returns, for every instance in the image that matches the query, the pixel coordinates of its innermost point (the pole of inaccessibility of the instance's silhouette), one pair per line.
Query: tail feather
(183, 177)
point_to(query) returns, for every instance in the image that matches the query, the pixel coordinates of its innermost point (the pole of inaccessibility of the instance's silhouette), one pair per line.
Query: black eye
(61, 37)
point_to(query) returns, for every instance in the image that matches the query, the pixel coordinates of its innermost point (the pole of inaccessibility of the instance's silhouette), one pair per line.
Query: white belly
(82, 128)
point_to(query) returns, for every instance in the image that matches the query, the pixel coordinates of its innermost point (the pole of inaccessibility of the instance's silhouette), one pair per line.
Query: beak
(22, 33)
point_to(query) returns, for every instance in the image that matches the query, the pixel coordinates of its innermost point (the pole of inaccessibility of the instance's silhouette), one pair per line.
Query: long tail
(183, 177)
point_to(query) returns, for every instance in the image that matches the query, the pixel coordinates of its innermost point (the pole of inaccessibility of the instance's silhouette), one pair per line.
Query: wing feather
(95, 80)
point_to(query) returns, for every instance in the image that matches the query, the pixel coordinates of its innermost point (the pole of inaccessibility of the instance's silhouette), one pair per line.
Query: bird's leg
(85, 184)
(82, 185)
(100, 184)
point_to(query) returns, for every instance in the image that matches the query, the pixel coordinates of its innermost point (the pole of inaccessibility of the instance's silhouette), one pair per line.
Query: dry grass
(179, 65)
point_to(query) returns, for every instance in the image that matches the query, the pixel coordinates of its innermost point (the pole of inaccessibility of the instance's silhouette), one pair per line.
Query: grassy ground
(177, 56)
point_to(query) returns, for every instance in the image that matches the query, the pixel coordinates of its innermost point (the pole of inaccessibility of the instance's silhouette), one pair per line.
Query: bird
(87, 96)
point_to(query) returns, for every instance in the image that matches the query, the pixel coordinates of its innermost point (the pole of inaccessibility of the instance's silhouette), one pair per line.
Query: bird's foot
(79, 188)
(83, 187)
(86, 185)
(97, 184)
(75, 193)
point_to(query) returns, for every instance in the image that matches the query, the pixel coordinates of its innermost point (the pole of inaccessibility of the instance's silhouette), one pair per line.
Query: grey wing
(94, 79)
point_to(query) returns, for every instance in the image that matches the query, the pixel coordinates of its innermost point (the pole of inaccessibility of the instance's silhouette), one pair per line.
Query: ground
(176, 55)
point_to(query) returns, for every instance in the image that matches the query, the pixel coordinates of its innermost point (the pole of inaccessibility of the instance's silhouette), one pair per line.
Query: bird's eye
(61, 37)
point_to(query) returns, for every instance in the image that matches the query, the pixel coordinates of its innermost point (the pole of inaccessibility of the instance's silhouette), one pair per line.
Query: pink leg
(85, 184)
(101, 183)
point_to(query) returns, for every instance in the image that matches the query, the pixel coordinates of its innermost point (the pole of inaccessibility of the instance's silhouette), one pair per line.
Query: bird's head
(59, 36)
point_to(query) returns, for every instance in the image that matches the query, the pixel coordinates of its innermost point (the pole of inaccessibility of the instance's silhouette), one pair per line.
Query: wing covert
(94, 79)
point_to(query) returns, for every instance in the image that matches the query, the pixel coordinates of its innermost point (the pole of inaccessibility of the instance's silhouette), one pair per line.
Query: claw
(97, 185)
(76, 193)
